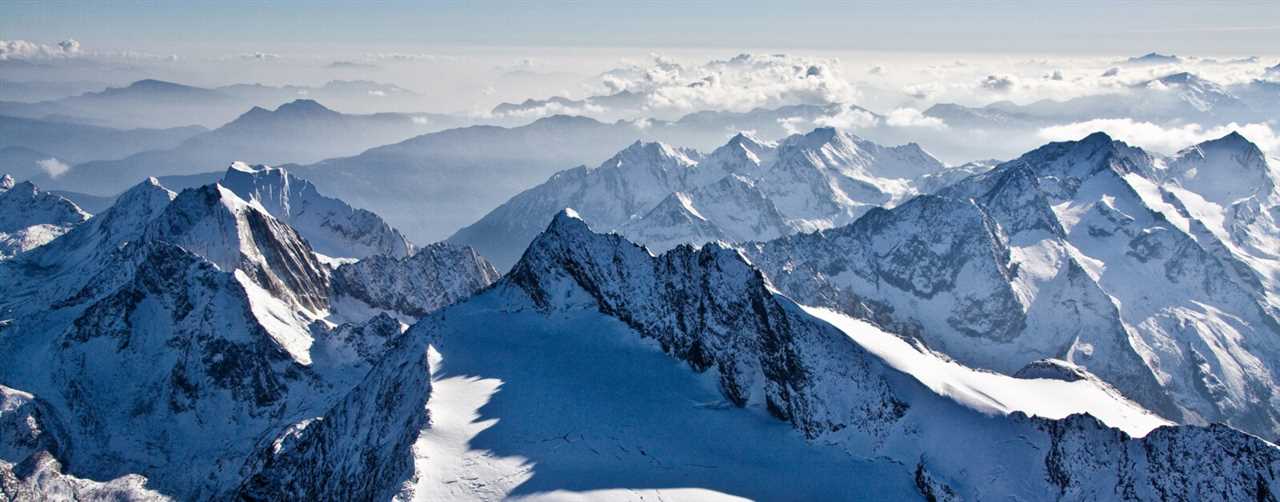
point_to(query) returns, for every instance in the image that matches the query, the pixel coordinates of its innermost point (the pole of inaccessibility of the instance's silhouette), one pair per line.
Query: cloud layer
(24, 49)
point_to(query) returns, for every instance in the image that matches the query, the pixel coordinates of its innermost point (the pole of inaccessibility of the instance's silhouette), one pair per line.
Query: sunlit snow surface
(993, 392)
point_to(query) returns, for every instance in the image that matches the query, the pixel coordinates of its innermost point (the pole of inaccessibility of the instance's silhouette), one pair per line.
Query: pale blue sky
(1080, 26)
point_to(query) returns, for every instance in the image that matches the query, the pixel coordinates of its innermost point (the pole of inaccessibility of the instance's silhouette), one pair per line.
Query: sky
(1068, 27)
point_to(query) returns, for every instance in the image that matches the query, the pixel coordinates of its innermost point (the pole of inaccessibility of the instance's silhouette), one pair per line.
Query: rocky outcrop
(436, 276)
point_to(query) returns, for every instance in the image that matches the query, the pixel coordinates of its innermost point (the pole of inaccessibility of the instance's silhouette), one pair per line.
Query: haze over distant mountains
(158, 103)
(299, 131)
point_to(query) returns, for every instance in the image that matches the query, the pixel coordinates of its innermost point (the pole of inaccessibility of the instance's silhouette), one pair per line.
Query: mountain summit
(745, 190)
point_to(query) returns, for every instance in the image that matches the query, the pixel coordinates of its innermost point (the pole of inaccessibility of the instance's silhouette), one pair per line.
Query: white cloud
(792, 125)
(553, 108)
(848, 118)
(1163, 139)
(53, 167)
(1061, 78)
(24, 49)
(741, 83)
(911, 117)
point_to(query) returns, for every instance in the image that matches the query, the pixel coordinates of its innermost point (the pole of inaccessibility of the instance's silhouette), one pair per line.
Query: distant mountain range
(1175, 97)
(22, 139)
(157, 103)
(298, 131)
(747, 189)
(27, 91)
(432, 185)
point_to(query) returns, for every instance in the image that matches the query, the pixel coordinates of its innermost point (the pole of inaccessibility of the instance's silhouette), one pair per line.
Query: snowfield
(994, 393)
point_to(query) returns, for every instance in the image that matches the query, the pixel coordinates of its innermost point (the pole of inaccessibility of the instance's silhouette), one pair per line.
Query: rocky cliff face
(436, 276)
(31, 443)
(357, 450)
(235, 234)
(330, 226)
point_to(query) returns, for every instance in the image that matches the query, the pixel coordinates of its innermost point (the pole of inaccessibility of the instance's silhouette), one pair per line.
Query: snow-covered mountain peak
(815, 139)
(821, 179)
(244, 167)
(26, 187)
(656, 154)
(135, 207)
(1222, 170)
(743, 152)
(31, 218)
(568, 221)
(245, 181)
(235, 234)
(91, 246)
(1199, 93)
(748, 140)
(733, 209)
(1234, 144)
(331, 226)
(831, 148)
(1194, 85)
(1082, 158)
